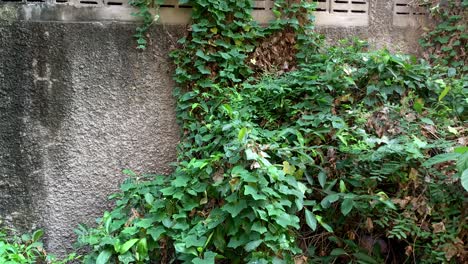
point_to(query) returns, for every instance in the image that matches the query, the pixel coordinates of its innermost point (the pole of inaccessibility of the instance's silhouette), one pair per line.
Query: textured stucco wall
(78, 104)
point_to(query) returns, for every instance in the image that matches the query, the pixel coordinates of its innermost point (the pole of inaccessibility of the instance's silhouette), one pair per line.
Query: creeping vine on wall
(330, 154)
(446, 43)
(147, 10)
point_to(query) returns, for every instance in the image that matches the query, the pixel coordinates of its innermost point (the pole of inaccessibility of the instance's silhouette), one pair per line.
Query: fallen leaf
(300, 260)
(402, 202)
(218, 175)
(438, 227)
(369, 225)
(408, 250)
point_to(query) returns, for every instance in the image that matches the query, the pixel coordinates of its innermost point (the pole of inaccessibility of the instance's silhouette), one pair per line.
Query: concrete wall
(78, 104)
(382, 32)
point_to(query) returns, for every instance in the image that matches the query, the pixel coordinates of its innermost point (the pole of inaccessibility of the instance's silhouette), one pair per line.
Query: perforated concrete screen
(84, 3)
(406, 13)
(329, 12)
(342, 12)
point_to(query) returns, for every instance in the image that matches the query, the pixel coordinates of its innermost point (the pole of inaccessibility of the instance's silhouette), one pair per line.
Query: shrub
(349, 158)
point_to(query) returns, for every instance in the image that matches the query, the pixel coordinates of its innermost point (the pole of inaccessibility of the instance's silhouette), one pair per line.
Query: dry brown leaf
(408, 250)
(369, 225)
(402, 202)
(218, 175)
(254, 165)
(300, 260)
(454, 249)
(438, 227)
(413, 176)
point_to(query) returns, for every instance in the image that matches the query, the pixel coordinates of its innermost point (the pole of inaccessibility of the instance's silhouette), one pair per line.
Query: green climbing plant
(147, 10)
(445, 43)
(27, 249)
(335, 159)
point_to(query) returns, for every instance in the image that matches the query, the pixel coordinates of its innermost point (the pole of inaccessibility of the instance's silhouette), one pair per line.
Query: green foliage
(347, 126)
(20, 250)
(348, 159)
(147, 10)
(26, 249)
(446, 43)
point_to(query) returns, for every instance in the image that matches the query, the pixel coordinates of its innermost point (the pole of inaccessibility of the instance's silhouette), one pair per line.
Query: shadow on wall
(79, 104)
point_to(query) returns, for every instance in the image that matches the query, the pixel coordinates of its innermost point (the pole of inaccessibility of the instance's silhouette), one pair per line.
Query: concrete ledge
(168, 14)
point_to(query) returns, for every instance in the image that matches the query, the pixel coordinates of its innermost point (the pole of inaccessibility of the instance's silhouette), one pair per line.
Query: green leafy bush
(445, 43)
(26, 249)
(347, 159)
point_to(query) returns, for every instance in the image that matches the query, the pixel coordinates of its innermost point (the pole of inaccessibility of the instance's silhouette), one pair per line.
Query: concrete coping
(330, 13)
(343, 13)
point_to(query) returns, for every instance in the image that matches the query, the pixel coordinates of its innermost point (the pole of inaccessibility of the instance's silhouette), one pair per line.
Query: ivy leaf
(464, 179)
(126, 258)
(129, 173)
(208, 258)
(419, 143)
(322, 177)
(251, 246)
(444, 92)
(427, 121)
(258, 227)
(364, 258)
(242, 133)
(288, 169)
(127, 245)
(418, 105)
(329, 199)
(440, 158)
(194, 241)
(203, 70)
(250, 155)
(249, 190)
(342, 186)
(451, 72)
(142, 248)
(149, 198)
(462, 162)
(37, 235)
(443, 40)
(234, 208)
(245, 175)
(461, 150)
(104, 257)
(338, 252)
(202, 55)
(452, 130)
(347, 206)
(286, 220)
(156, 232)
(180, 181)
(145, 223)
(323, 224)
(311, 220)
(235, 242)
(168, 191)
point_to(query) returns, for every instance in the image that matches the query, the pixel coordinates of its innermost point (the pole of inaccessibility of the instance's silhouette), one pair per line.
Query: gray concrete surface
(78, 104)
